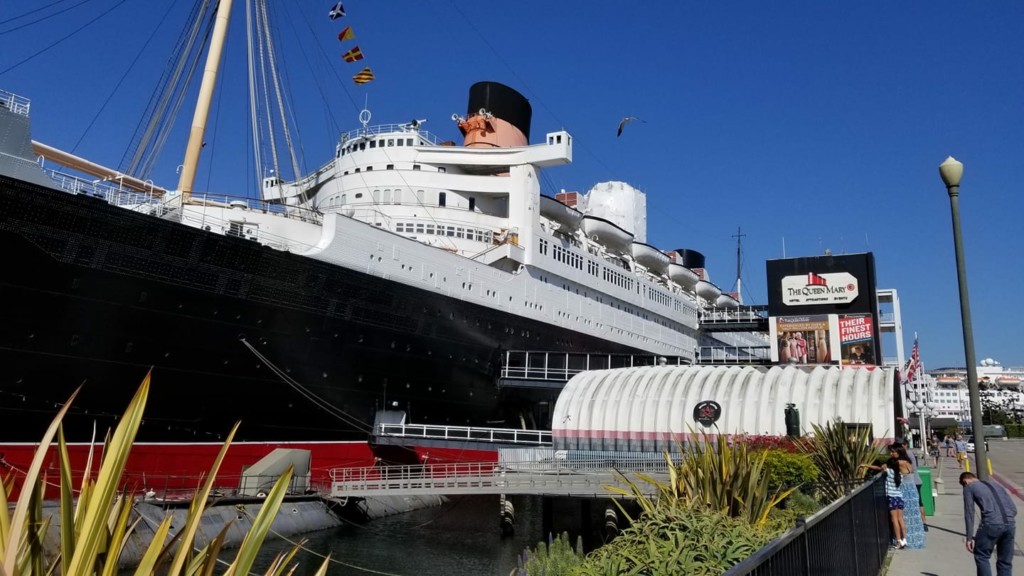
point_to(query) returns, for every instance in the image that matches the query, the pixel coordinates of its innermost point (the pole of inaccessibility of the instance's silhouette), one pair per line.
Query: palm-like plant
(838, 453)
(719, 475)
(95, 528)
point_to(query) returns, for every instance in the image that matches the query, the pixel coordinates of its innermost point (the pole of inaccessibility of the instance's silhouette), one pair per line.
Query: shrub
(790, 470)
(680, 539)
(554, 558)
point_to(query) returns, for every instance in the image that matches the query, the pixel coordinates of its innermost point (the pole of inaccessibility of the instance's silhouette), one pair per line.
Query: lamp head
(951, 170)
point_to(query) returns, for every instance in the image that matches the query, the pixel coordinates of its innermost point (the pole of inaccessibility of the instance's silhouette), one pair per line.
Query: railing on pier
(850, 536)
(562, 366)
(549, 477)
(461, 433)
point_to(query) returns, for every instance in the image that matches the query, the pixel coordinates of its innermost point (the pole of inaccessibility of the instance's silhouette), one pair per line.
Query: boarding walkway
(591, 479)
(945, 553)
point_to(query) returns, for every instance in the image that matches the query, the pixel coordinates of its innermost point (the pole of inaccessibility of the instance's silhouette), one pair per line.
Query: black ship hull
(97, 295)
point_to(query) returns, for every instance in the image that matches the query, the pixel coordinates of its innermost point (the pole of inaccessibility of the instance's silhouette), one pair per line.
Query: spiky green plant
(95, 527)
(838, 452)
(719, 475)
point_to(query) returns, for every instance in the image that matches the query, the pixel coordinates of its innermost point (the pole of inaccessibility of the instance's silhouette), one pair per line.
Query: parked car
(970, 444)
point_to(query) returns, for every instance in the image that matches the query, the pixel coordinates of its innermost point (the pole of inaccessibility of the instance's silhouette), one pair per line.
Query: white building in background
(999, 383)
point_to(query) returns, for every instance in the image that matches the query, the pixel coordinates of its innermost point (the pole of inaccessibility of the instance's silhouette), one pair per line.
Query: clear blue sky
(810, 125)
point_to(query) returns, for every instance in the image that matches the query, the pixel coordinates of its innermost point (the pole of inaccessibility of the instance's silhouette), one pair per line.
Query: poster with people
(804, 339)
(856, 339)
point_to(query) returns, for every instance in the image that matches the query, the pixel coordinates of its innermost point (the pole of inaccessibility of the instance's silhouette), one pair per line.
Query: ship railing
(462, 433)
(14, 103)
(254, 205)
(734, 354)
(183, 488)
(561, 366)
(358, 133)
(742, 314)
(104, 190)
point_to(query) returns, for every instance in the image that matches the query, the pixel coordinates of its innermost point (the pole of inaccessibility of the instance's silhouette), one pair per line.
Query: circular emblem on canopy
(707, 412)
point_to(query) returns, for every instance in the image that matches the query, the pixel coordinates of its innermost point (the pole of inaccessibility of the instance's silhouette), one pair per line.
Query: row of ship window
(442, 230)
(389, 196)
(377, 143)
(560, 254)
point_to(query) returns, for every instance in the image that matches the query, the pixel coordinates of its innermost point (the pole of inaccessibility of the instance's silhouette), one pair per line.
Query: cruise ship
(392, 283)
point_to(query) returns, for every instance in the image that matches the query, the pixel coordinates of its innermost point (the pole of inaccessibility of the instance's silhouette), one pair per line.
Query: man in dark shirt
(998, 524)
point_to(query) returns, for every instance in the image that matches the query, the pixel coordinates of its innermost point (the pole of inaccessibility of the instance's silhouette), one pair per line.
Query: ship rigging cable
(307, 394)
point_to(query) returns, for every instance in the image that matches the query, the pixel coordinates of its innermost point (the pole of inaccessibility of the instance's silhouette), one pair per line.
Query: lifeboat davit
(567, 216)
(682, 275)
(614, 239)
(708, 291)
(651, 258)
(726, 301)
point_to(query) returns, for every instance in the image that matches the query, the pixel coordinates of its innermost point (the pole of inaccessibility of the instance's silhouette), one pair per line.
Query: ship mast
(195, 140)
(739, 251)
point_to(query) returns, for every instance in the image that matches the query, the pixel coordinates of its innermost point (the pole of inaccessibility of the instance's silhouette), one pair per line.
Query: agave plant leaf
(261, 525)
(115, 454)
(67, 503)
(198, 506)
(119, 534)
(322, 570)
(197, 562)
(147, 565)
(285, 560)
(18, 521)
(215, 545)
(6, 485)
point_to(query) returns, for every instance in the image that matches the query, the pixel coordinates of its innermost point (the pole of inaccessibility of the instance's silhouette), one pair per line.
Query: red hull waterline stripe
(184, 466)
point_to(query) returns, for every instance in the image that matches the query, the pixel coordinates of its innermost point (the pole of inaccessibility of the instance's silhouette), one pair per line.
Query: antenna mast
(739, 252)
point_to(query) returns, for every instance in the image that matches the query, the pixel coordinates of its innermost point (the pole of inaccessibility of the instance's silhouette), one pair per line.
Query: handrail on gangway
(540, 478)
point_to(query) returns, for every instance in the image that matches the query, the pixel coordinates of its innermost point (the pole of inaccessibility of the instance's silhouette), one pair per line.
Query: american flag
(914, 364)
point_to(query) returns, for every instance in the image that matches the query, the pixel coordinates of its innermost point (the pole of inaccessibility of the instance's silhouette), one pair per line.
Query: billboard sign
(811, 288)
(857, 339)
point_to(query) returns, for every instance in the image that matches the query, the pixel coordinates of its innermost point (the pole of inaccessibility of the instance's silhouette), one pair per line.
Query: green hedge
(1015, 430)
(789, 470)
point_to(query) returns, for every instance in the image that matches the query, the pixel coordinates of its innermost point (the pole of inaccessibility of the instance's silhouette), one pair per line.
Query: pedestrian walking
(997, 529)
(961, 451)
(949, 446)
(933, 451)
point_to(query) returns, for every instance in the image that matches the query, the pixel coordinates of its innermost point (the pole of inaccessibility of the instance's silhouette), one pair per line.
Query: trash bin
(926, 491)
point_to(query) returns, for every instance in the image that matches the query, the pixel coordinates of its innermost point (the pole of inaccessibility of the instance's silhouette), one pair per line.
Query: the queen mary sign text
(811, 288)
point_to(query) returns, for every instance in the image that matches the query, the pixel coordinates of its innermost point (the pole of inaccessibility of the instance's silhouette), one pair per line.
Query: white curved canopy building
(650, 409)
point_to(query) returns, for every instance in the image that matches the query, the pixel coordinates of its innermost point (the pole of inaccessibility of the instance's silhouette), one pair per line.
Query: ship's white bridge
(545, 477)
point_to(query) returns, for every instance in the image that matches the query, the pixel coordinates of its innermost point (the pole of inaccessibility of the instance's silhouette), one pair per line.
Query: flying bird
(625, 121)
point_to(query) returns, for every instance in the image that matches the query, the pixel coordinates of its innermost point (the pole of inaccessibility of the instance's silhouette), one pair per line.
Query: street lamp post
(951, 170)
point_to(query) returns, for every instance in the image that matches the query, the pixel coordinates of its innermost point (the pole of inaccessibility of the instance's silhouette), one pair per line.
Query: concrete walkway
(945, 553)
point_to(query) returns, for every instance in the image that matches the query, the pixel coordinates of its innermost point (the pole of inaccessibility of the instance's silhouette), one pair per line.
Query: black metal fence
(850, 536)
